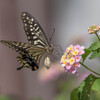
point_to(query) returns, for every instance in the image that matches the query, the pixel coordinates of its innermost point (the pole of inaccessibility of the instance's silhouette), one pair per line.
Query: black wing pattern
(33, 30)
(29, 55)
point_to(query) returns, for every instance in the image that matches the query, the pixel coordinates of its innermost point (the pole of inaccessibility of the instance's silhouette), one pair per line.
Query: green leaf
(95, 95)
(96, 86)
(83, 91)
(95, 54)
(95, 46)
(74, 94)
(85, 87)
(87, 52)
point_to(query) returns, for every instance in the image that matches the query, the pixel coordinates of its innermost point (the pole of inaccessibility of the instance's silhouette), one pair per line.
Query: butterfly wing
(29, 55)
(33, 30)
(17, 46)
(36, 53)
(35, 49)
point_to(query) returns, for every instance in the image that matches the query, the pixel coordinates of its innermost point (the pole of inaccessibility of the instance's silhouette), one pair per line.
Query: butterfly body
(49, 49)
(38, 45)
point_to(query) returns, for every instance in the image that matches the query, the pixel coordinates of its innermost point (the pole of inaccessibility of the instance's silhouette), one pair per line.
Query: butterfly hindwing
(36, 53)
(32, 58)
(27, 61)
(29, 55)
(33, 30)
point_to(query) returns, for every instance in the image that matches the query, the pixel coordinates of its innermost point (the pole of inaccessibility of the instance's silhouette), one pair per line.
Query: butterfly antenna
(52, 35)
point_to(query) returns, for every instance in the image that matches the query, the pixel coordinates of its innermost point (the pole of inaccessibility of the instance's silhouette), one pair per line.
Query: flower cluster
(71, 58)
(94, 29)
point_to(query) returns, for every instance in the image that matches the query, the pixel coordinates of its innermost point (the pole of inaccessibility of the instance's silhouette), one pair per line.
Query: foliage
(87, 52)
(83, 91)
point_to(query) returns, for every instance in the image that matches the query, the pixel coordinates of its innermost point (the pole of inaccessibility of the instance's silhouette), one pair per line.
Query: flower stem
(97, 36)
(89, 69)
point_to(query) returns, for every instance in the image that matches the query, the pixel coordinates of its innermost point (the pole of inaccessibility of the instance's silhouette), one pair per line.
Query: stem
(97, 36)
(89, 69)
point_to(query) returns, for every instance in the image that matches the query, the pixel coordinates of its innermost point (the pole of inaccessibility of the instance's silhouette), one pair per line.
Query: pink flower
(94, 29)
(76, 47)
(77, 64)
(77, 58)
(68, 66)
(71, 58)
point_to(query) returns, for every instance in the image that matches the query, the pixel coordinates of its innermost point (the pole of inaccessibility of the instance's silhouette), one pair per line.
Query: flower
(77, 58)
(94, 29)
(68, 66)
(71, 58)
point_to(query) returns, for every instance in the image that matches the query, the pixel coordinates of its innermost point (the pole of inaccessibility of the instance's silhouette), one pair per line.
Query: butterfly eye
(51, 48)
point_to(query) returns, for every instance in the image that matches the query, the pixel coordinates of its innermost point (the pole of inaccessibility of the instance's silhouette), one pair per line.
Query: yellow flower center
(75, 52)
(64, 62)
(72, 60)
(71, 47)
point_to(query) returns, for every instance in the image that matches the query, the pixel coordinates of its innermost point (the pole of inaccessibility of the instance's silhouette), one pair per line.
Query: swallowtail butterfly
(30, 53)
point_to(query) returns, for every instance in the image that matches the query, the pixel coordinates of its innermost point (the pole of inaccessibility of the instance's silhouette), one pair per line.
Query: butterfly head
(49, 49)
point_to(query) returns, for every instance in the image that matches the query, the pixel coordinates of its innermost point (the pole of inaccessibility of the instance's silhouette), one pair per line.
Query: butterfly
(38, 45)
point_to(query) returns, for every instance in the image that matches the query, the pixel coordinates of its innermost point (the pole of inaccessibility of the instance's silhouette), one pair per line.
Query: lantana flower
(94, 29)
(71, 58)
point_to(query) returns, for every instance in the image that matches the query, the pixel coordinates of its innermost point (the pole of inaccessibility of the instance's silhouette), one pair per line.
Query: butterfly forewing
(17, 46)
(33, 30)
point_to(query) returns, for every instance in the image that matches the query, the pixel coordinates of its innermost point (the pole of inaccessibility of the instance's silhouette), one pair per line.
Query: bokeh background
(71, 19)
